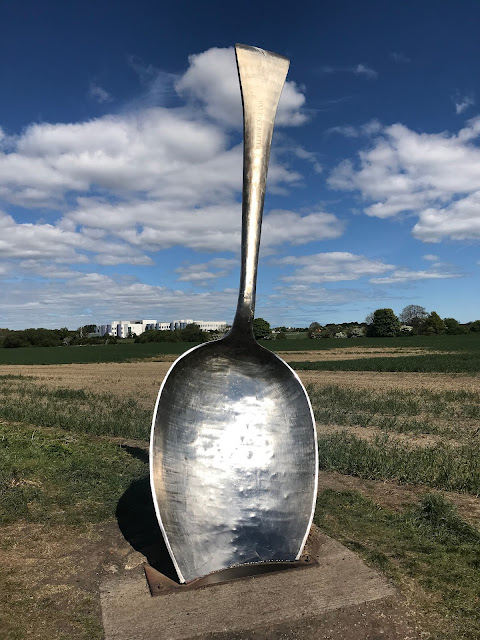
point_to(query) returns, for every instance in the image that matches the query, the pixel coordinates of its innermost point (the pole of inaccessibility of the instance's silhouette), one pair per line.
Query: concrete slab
(318, 602)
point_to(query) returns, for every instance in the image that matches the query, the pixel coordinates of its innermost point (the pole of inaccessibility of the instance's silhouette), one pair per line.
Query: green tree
(193, 333)
(385, 324)
(453, 327)
(413, 315)
(14, 342)
(261, 328)
(474, 326)
(433, 324)
(314, 330)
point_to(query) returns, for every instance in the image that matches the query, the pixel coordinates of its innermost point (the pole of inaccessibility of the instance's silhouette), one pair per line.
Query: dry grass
(396, 496)
(353, 353)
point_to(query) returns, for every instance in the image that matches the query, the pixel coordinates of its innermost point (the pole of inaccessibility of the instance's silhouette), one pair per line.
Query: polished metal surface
(233, 457)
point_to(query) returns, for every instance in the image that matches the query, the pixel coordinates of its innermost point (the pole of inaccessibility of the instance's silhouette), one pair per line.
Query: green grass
(58, 478)
(427, 549)
(447, 413)
(386, 458)
(469, 343)
(57, 482)
(91, 353)
(74, 410)
(429, 363)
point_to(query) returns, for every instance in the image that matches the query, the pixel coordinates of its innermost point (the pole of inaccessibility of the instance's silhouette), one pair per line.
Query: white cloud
(156, 225)
(42, 241)
(363, 70)
(460, 220)
(212, 80)
(290, 300)
(201, 273)
(399, 57)
(100, 298)
(309, 156)
(358, 70)
(334, 266)
(280, 226)
(407, 275)
(406, 171)
(173, 152)
(348, 131)
(462, 103)
(115, 188)
(98, 93)
(430, 257)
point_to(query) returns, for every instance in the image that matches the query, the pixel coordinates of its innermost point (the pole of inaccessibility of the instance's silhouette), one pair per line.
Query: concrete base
(341, 598)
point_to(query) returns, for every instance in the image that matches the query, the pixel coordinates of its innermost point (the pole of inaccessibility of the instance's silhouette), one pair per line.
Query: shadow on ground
(138, 523)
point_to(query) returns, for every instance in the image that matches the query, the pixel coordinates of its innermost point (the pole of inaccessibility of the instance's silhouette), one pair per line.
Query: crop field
(465, 345)
(399, 450)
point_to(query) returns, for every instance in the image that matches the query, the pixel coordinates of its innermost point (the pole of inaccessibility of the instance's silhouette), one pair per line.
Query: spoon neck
(262, 76)
(255, 163)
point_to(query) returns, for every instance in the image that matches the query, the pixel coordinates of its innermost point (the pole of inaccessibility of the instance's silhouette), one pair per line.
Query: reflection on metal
(233, 457)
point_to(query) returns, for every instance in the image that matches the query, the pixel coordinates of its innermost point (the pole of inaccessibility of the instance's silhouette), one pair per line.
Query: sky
(121, 161)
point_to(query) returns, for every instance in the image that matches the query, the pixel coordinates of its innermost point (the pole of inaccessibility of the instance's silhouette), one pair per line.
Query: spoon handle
(262, 75)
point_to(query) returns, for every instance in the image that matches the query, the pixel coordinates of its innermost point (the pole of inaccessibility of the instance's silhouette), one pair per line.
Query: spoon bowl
(234, 453)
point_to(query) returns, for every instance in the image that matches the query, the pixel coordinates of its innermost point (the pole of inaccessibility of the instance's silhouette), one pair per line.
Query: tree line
(381, 323)
(415, 320)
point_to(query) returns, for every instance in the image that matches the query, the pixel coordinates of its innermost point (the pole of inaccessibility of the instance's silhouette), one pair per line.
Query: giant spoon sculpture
(233, 457)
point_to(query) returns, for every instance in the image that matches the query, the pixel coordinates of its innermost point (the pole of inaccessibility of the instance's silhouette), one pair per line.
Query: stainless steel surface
(233, 457)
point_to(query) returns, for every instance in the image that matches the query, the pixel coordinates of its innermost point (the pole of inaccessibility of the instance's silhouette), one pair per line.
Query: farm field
(463, 345)
(399, 482)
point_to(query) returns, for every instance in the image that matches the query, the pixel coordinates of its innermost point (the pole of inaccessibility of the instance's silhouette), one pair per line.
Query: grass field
(399, 483)
(466, 345)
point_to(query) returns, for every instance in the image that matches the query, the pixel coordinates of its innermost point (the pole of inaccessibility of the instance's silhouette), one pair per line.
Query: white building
(128, 328)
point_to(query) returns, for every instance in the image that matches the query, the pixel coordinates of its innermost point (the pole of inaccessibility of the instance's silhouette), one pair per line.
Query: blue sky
(121, 161)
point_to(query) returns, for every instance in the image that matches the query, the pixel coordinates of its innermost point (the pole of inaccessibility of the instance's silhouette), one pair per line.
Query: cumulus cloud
(154, 150)
(337, 266)
(211, 79)
(156, 225)
(48, 242)
(116, 188)
(333, 266)
(201, 273)
(406, 171)
(460, 220)
(100, 298)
